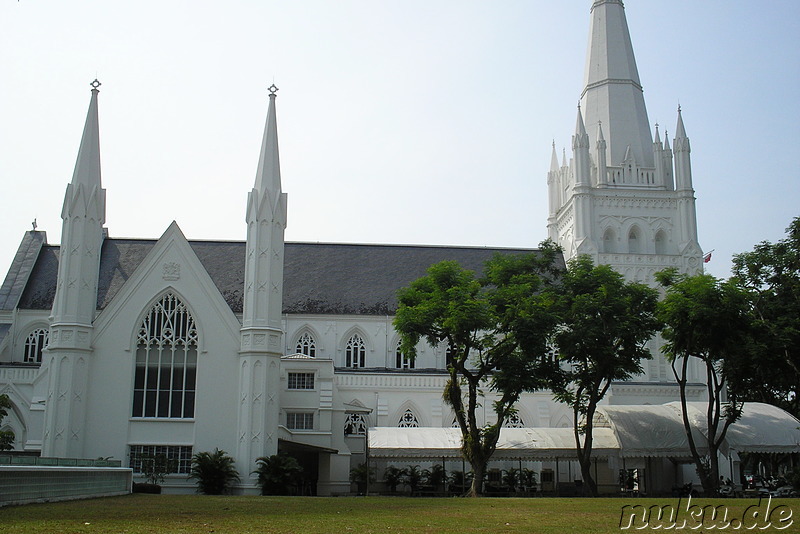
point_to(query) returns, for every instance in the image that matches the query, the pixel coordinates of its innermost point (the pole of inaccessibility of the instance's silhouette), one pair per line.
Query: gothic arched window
(306, 345)
(408, 420)
(661, 242)
(355, 425)
(634, 241)
(355, 352)
(34, 344)
(166, 361)
(609, 241)
(514, 421)
(401, 361)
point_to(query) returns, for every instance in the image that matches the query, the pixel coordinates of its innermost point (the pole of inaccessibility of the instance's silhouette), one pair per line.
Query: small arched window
(634, 241)
(609, 241)
(166, 361)
(355, 352)
(661, 242)
(34, 344)
(408, 420)
(401, 361)
(306, 345)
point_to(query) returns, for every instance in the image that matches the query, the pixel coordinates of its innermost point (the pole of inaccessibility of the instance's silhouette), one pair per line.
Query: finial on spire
(96, 85)
(34, 224)
(273, 89)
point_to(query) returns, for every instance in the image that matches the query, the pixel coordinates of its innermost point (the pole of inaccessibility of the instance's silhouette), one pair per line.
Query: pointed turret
(554, 166)
(682, 150)
(580, 152)
(600, 151)
(75, 303)
(612, 91)
(553, 181)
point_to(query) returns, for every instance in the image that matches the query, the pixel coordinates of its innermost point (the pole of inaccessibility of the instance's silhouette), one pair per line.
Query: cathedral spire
(612, 91)
(268, 175)
(87, 166)
(75, 300)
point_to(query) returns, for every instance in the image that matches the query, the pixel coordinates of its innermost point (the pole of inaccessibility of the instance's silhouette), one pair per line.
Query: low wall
(20, 484)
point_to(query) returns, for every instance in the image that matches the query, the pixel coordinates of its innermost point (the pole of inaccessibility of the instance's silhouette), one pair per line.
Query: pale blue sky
(399, 122)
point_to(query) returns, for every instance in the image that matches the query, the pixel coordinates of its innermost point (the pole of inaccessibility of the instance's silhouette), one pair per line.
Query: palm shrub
(275, 473)
(527, 478)
(215, 472)
(412, 477)
(436, 476)
(511, 478)
(393, 477)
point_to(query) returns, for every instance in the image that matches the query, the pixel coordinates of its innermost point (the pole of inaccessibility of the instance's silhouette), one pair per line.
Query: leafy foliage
(709, 319)
(359, 474)
(413, 477)
(496, 330)
(604, 324)
(276, 473)
(215, 472)
(393, 477)
(771, 274)
(6, 436)
(156, 466)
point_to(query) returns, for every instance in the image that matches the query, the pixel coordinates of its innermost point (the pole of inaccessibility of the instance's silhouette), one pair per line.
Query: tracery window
(166, 361)
(306, 345)
(355, 425)
(401, 360)
(408, 420)
(514, 421)
(355, 352)
(34, 344)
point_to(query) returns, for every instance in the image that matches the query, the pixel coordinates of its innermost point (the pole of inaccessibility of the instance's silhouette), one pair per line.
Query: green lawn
(140, 513)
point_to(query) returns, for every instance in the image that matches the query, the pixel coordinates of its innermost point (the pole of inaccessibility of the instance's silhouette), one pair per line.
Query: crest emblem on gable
(172, 271)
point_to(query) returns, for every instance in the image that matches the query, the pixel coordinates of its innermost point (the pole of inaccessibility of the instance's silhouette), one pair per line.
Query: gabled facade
(131, 347)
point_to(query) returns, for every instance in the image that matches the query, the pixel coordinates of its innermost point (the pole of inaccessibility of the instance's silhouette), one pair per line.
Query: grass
(141, 513)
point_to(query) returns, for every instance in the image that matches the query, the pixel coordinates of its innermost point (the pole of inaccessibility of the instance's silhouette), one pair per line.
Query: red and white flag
(707, 257)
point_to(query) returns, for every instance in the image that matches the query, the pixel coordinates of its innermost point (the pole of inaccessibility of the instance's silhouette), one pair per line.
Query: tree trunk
(478, 470)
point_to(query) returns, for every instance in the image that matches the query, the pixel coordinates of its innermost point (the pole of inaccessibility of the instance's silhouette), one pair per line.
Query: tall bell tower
(625, 197)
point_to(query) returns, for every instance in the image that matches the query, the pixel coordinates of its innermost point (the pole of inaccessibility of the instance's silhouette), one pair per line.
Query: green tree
(6, 436)
(771, 273)
(496, 332)
(215, 472)
(276, 473)
(604, 325)
(709, 320)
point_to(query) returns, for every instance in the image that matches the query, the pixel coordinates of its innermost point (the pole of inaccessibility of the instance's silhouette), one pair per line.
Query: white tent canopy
(620, 431)
(514, 443)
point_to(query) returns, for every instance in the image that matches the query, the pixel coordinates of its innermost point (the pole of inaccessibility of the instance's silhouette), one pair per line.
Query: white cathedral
(114, 347)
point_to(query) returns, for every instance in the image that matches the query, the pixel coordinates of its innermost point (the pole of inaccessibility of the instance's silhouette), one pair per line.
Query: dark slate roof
(20, 269)
(319, 278)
